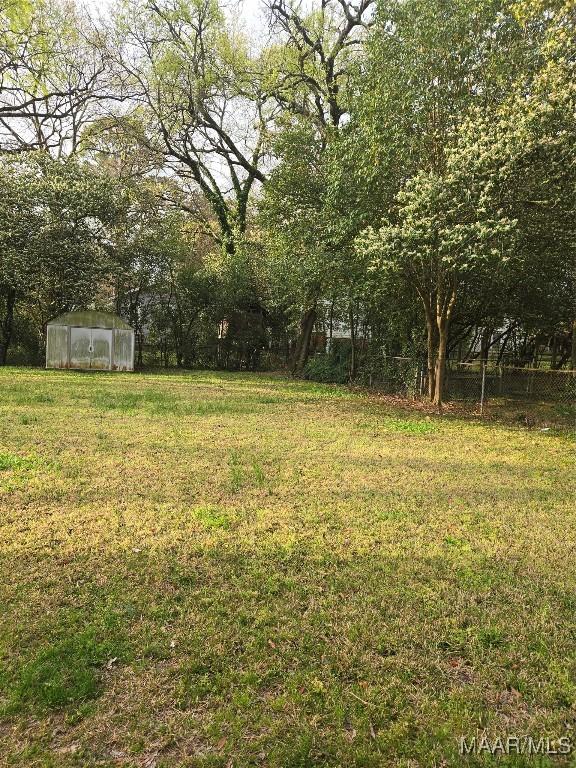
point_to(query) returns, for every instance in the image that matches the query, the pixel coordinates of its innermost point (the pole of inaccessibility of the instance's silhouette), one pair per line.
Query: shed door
(80, 347)
(90, 348)
(101, 352)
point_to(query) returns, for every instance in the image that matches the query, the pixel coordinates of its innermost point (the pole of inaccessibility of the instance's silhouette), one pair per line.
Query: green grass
(9, 461)
(65, 672)
(214, 570)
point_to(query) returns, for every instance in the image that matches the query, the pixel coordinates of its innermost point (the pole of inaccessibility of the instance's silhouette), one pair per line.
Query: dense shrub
(327, 368)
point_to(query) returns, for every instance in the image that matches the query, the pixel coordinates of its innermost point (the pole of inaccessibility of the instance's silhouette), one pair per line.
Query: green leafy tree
(445, 114)
(304, 209)
(55, 220)
(444, 238)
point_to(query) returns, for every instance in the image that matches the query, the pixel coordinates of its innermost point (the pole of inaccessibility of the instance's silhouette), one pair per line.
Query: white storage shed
(90, 340)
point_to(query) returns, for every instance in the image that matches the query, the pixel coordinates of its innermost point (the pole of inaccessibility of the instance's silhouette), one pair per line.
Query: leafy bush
(327, 368)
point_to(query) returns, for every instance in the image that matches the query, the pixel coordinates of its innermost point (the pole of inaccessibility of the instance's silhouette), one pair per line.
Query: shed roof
(90, 318)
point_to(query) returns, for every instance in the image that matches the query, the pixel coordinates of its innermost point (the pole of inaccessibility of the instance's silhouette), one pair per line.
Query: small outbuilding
(90, 340)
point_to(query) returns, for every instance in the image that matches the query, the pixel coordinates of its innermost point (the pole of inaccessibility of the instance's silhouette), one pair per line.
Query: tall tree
(309, 77)
(446, 235)
(311, 68)
(53, 75)
(477, 147)
(189, 77)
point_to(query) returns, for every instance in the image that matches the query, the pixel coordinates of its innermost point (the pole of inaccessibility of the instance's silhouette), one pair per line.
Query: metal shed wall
(123, 350)
(57, 346)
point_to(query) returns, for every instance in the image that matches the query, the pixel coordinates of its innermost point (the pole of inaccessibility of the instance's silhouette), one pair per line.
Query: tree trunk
(352, 344)
(573, 361)
(443, 314)
(440, 365)
(472, 345)
(7, 325)
(485, 345)
(502, 351)
(140, 344)
(302, 349)
(431, 348)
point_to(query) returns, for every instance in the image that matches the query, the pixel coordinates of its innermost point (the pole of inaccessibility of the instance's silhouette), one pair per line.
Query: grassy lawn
(220, 571)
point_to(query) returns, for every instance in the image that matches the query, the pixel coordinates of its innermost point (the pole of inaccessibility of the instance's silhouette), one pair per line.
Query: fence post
(483, 389)
(500, 380)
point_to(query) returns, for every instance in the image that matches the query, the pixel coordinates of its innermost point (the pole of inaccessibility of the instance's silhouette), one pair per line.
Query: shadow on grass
(325, 657)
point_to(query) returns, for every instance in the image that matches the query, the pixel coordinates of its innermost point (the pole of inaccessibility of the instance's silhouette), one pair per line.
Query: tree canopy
(405, 168)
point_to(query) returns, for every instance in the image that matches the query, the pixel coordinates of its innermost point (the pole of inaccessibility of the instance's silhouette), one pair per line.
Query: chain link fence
(214, 356)
(404, 376)
(489, 382)
(474, 382)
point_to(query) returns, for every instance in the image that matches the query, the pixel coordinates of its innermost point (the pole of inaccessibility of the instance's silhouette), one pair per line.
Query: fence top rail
(552, 371)
(517, 369)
